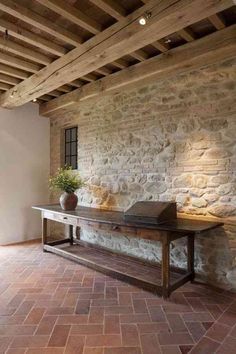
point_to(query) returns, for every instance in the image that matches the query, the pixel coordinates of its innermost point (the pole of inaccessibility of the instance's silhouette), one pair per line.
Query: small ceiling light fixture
(143, 20)
(168, 40)
(35, 100)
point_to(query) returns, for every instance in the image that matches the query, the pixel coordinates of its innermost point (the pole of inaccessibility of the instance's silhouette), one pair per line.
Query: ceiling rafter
(187, 34)
(15, 48)
(111, 7)
(31, 38)
(217, 21)
(217, 46)
(36, 20)
(72, 14)
(8, 70)
(9, 79)
(19, 63)
(121, 39)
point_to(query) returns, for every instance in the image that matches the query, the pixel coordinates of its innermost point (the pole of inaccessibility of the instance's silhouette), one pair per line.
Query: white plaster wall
(24, 171)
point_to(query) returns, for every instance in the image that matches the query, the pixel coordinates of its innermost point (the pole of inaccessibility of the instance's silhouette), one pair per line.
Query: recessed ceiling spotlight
(35, 100)
(168, 40)
(143, 20)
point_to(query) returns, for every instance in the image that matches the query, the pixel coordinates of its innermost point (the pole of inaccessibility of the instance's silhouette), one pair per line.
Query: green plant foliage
(66, 180)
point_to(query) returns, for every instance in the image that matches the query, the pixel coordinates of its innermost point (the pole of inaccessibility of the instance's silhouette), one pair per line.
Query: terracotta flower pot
(68, 201)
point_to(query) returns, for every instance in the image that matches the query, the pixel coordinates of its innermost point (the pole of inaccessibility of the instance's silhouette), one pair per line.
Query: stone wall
(171, 140)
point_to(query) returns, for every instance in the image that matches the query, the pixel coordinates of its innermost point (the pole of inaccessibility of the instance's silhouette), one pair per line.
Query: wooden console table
(161, 279)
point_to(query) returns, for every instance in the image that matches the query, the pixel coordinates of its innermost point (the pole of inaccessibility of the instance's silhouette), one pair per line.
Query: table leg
(190, 246)
(71, 234)
(165, 267)
(44, 230)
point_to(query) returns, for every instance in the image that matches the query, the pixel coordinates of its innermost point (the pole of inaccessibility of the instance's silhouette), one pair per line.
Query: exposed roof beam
(161, 46)
(139, 55)
(34, 19)
(9, 79)
(120, 63)
(187, 34)
(104, 71)
(8, 70)
(15, 48)
(4, 86)
(217, 21)
(111, 7)
(31, 38)
(19, 63)
(72, 14)
(124, 37)
(208, 50)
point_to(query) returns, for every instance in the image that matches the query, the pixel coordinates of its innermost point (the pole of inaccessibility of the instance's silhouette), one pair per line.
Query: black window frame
(68, 142)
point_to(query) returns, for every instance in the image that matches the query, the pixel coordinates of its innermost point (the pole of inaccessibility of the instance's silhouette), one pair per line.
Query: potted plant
(67, 181)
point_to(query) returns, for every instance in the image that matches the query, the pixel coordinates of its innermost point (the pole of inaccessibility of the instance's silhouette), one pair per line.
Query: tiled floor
(53, 306)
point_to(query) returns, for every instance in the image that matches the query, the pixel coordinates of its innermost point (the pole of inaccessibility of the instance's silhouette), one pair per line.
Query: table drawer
(60, 218)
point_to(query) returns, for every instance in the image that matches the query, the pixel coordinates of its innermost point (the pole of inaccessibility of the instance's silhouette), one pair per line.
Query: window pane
(74, 162)
(67, 133)
(67, 161)
(67, 149)
(73, 148)
(73, 134)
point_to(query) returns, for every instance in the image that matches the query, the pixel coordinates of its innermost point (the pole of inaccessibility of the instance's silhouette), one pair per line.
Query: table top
(117, 218)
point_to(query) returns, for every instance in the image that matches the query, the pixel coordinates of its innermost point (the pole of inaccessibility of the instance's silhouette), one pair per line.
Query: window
(71, 146)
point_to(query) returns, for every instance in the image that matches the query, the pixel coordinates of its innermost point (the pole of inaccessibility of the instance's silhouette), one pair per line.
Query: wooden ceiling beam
(72, 14)
(111, 7)
(15, 48)
(19, 63)
(8, 70)
(139, 55)
(217, 21)
(122, 38)
(120, 63)
(161, 46)
(34, 19)
(187, 34)
(9, 79)
(65, 88)
(208, 50)
(31, 38)
(4, 86)
(104, 71)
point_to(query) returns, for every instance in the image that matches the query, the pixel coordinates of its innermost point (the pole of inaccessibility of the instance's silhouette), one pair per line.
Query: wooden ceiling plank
(217, 21)
(4, 86)
(65, 88)
(36, 20)
(140, 55)
(8, 70)
(104, 71)
(72, 14)
(15, 48)
(120, 63)
(122, 38)
(31, 38)
(9, 79)
(161, 46)
(187, 34)
(211, 49)
(19, 63)
(111, 7)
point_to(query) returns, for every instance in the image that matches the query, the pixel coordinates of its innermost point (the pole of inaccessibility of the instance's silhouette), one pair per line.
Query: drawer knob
(65, 218)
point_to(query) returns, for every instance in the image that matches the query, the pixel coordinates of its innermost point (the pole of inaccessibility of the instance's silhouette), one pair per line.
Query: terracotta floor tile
(122, 350)
(175, 338)
(149, 344)
(75, 345)
(34, 316)
(130, 336)
(176, 323)
(205, 346)
(112, 324)
(106, 340)
(59, 336)
(84, 307)
(218, 332)
(46, 325)
(86, 329)
(29, 342)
